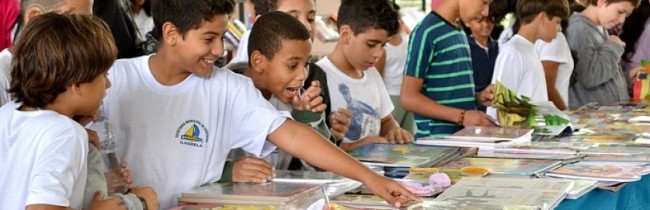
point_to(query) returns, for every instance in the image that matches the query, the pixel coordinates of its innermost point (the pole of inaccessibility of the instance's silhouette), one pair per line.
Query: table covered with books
(601, 162)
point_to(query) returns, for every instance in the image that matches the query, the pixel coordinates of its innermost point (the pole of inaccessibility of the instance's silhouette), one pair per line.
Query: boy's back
(27, 148)
(199, 113)
(518, 67)
(444, 62)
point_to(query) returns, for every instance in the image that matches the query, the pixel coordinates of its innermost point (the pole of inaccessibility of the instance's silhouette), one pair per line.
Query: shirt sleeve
(253, 119)
(57, 167)
(554, 51)
(420, 54)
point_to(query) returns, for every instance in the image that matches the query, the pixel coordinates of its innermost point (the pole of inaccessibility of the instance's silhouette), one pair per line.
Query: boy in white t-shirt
(558, 66)
(59, 71)
(176, 116)
(365, 26)
(518, 66)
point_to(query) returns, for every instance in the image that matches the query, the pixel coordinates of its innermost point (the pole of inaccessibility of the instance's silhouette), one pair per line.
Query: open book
(538, 193)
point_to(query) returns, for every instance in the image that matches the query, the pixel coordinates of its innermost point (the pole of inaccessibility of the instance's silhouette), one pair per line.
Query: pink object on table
(418, 189)
(440, 179)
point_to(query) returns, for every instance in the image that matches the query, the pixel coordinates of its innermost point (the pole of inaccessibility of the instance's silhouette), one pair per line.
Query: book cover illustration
(492, 134)
(595, 172)
(401, 155)
(501, 197)
(526, 167)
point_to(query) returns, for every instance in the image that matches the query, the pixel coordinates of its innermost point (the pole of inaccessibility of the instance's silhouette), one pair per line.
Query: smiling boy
(177, 116)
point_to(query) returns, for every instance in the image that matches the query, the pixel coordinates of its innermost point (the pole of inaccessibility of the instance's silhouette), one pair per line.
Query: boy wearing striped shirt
(438, 83)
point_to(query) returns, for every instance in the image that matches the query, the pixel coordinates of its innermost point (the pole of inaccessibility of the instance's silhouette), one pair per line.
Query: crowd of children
(176, 117)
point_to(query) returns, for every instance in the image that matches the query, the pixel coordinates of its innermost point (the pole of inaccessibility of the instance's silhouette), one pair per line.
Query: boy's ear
(170, 33)
(258, 62)
(31, 12)
(75, 89)
(345, 33)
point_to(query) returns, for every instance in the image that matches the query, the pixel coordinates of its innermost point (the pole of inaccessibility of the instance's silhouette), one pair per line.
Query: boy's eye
(371, 45)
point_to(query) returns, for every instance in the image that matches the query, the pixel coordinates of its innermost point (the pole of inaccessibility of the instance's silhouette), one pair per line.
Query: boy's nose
(108, 83)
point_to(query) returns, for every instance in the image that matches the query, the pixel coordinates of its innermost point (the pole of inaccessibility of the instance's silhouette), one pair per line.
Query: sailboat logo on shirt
(192, 133)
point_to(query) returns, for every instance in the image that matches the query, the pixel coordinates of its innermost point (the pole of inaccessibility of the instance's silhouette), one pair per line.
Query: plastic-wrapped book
(271, 195)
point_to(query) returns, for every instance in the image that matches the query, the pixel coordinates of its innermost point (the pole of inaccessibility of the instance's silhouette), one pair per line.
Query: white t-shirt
(144, 24)
(558, 51)
(518, 67)
(394, 67)
(242, 49)
(5, 75)
(176, 138)
(43, 156)
(367, 98)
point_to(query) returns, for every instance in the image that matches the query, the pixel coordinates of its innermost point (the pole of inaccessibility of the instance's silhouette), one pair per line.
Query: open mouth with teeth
(209, 61)
(294, 91)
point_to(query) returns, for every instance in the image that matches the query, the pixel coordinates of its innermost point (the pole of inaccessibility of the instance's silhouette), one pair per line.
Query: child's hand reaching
(390, 191)
(309, 99)
(126, 175)
(477, 118)
(114, 203)
(486, 96)
(252, 170)
(340, 122)
(399, 136)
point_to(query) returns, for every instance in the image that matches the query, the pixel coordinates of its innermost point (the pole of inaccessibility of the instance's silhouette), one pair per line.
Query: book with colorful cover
(526, 167)
(402, 155)
(609, 173)
(492, 134)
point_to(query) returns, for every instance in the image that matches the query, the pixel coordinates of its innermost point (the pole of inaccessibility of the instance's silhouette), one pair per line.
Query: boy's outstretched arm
(304, 143)
(413, 100)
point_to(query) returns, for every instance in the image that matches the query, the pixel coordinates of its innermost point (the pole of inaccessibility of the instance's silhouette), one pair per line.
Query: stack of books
(482, 137)
(405, 155)
(335, 184)
(271, 195)
(505, 166)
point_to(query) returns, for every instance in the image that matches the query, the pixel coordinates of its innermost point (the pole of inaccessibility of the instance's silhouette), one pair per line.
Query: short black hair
(187, 14)
(269, 31)
(265, 6)
(362, 15)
